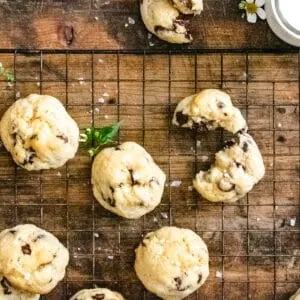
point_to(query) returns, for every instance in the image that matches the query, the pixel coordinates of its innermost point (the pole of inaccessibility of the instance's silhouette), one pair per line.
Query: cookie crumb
(18, 94)
(58, 174)
(164, 215)
(101, 100)
(176, 183)
(219, 274)
(96, 110)
(38, 83)
(190, 188)
(293, 222)
(198, 144)
(105, 94)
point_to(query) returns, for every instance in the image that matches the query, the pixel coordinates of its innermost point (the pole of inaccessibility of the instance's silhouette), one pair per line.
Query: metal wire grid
(71, 284)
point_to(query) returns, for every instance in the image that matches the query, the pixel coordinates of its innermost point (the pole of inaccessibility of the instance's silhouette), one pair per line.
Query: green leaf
(5, 73)
(94, 138)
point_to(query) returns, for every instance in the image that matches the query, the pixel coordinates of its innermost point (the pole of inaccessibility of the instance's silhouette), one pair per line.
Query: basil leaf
(95, 137)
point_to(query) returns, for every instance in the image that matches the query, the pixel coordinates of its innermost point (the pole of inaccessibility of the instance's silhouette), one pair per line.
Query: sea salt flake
(96, 18)
(81, 82)
(279, 125)
(106, 117)
(38, 84)
(293, 221)
(190, 187)
(257, 219)
(151, 44)
(18, 94)
(131, 21)
(101, 100)
(96, 235)
(219, 274)
(105, 94)
(126, 25)
(204, 158)
(100, 60)
(164, 215)
(149, 35)
(198, 144)
(96, 110)
(10, 84)
(176, 183)
(58, 174)
(111, 257)
(27, 276)
(78, 249)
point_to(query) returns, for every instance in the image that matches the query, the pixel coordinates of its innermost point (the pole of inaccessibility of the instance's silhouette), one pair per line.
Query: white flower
(253, 9)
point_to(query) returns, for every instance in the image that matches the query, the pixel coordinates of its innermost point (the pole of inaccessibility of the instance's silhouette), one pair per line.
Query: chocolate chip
(245, 147)
(26, 249)
(13, 231)
(281, 110)
(178, 283)
(63, 137)
(112, 202)
(6, 285)
(238, 164)
(181, 118)
(14, 137)
(228, 144)
(121, 185)
(117, 148)
(220, 105)
(133, 181)
(112, 189)
(33, 137)
(98, 297)
(281, 139)
(199, 278)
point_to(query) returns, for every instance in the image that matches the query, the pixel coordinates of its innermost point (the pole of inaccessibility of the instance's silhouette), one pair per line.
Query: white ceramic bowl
(283, 17)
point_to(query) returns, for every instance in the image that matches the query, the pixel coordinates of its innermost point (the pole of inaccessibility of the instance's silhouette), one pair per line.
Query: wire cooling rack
(254, 244)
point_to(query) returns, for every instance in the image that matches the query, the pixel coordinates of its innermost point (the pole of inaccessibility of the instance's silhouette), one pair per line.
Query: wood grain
(102, 24)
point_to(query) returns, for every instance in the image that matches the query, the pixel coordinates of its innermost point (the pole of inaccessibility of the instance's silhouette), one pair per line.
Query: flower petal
(249, 1)
(260, 3)
(251, 18)
(261, 13)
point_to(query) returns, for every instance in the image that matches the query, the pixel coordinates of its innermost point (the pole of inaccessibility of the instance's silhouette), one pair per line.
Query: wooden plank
(101, 24)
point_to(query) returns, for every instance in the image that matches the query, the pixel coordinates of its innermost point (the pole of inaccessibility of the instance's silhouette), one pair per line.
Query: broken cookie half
(209, 110)
(237, 168)
(169, 20)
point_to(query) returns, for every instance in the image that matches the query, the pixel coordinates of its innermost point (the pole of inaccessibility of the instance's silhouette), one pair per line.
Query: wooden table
(251, 242)
(100, 24)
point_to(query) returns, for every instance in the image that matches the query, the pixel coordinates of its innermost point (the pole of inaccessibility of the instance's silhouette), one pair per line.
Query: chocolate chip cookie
(127, 181)
(172, 262)
(32, 259)
(237, 168)
(208, 110)
(39, 133)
